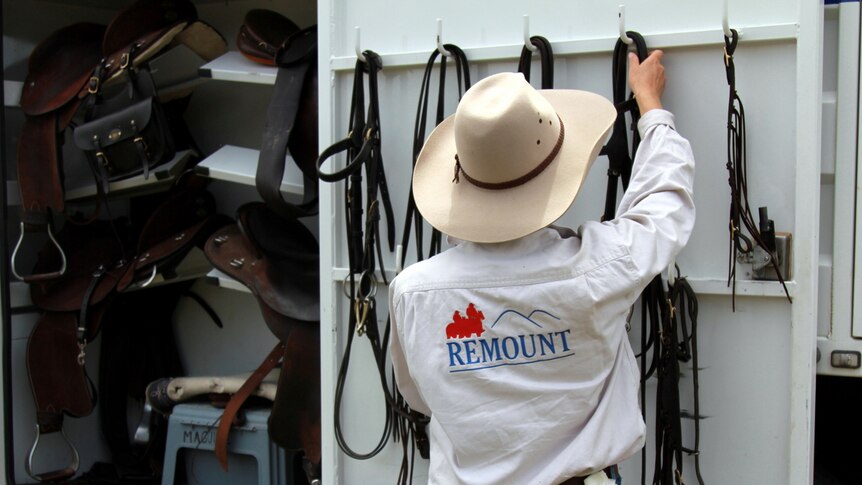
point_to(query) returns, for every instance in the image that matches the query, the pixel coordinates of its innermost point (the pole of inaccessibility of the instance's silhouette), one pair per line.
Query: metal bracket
(761, 260)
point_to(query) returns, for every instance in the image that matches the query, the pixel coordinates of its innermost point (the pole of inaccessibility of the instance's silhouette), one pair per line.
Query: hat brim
(471, 213)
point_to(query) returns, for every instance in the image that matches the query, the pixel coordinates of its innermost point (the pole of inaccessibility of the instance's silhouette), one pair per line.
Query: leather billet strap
(620, 155)
(238, 399)
(741, 216)
(413, 218)
(290, 115)
(41, 187)
(546, 54)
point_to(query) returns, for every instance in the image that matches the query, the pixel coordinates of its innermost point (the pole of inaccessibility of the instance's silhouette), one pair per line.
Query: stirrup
(55, 474)
(39, 276)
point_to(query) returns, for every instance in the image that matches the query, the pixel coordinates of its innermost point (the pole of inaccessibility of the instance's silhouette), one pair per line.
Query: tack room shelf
(237, 164)
(233, 66)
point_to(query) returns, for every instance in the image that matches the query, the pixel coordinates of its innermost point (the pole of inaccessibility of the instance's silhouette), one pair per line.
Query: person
(514, 340)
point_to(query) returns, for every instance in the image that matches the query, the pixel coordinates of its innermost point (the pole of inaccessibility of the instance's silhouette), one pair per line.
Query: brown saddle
(103, 261)
(262, 33)
(64, 70)
(278, 260)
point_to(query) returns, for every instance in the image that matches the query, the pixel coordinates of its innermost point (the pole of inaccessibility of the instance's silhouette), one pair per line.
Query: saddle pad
(163, 394)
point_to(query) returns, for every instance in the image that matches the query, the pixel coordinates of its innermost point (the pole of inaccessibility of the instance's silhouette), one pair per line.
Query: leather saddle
(105, 258)
(64, 70)
(278, 260)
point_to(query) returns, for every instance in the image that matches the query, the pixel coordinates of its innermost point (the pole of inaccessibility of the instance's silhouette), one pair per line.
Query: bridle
(362, 147)
(666, 313)
(740, 209)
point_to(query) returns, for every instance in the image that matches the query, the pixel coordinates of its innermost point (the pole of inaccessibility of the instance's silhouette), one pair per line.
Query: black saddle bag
(125, 132)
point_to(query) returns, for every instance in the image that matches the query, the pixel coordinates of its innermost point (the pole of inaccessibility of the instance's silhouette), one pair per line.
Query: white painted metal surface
(757, 387)
(757, 382)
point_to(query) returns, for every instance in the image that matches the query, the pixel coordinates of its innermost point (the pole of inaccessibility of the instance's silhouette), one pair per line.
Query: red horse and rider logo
(464, 327)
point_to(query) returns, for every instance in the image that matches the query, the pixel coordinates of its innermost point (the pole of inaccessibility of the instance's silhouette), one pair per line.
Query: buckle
(39, 276)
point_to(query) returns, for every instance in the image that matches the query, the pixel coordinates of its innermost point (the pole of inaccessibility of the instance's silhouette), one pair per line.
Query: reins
(546, 54)
(664, 320)
(462, 69)
(740, 209)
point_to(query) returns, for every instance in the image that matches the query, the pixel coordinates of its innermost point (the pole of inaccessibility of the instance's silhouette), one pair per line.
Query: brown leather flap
(60, 66)
(59, 384)
(262, 33)
(295, 419)
(90, 249)
(277, 258)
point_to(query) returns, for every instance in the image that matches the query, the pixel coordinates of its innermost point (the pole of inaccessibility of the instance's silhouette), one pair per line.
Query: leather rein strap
(362, 147)
(620, 159)
(414, 218)
(740, 210)
(240, 397)
(546, 53)
(410, 425)
(662, 324)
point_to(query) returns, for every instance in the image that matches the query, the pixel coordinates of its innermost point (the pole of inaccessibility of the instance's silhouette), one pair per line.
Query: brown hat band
(459, 170)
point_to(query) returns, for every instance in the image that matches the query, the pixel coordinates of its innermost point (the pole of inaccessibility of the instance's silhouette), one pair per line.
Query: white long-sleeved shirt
(518, 350)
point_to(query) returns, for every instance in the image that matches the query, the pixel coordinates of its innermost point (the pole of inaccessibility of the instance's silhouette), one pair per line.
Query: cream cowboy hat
(511, 160)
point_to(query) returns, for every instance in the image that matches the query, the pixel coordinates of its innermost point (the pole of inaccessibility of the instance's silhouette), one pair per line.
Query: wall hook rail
(725, 24)
(622, 20)
(440, 47)
(359, 54)
(527, 42)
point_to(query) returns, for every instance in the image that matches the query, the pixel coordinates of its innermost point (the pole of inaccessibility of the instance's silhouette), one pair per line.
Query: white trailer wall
(757, 385)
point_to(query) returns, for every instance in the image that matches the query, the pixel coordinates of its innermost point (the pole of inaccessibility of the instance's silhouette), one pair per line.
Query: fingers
(653, 57)
(647, 79)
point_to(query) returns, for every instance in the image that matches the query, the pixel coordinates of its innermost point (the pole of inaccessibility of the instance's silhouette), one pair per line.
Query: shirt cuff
(654, 117)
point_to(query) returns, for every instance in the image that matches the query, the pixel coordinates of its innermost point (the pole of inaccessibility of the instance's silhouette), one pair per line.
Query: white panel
(474, 24)
(758, 412)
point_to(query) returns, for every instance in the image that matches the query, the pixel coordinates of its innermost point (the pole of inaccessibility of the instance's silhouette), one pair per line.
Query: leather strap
(294, 62)
(740, 210)
(41, 186)
(620, 156)
(546, 54)
(362, 208)
(413, 218)
(237, 400)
